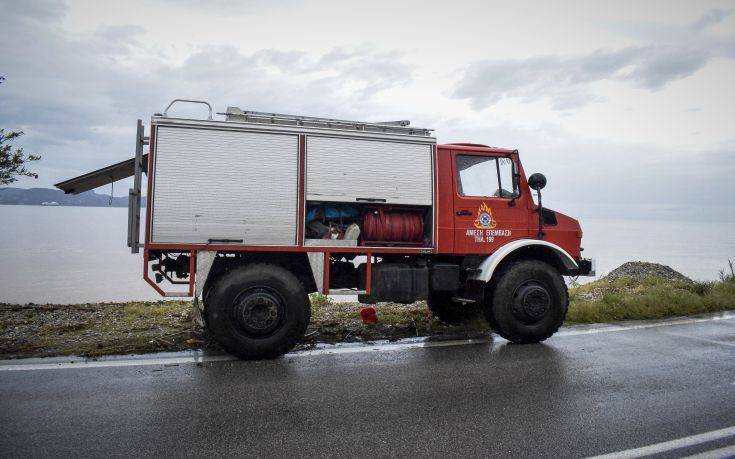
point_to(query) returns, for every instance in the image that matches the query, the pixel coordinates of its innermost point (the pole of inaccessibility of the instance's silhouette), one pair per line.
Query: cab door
(489, 210)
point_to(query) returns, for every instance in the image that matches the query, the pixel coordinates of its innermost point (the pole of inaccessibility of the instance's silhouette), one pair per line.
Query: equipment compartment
(369, 225)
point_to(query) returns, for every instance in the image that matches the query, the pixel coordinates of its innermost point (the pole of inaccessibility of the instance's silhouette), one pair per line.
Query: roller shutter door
(348, 170)
(224, 185)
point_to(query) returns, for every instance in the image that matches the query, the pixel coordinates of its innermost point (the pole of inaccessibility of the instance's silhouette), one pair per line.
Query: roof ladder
(391, 127)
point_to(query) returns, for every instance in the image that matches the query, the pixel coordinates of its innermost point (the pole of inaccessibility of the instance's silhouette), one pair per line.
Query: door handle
(464, 212)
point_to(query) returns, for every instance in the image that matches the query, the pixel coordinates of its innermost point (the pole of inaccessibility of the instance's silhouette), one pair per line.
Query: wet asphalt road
(577, 395)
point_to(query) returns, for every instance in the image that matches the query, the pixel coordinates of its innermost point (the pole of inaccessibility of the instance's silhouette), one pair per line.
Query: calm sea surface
(78, 254)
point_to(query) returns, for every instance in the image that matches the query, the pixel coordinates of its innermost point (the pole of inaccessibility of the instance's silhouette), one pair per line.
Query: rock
(641, 269)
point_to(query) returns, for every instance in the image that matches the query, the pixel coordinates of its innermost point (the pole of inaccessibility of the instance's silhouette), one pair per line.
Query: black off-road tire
(448, 311)
(529, 302)
(257, 311)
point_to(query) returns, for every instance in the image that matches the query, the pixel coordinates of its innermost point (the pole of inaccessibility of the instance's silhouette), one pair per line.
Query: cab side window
(486, 176)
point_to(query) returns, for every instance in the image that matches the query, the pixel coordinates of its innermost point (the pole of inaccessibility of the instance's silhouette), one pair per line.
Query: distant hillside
(39, 196)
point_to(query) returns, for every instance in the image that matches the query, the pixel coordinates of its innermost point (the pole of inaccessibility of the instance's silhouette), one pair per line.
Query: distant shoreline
(117, 206)
(49, 197)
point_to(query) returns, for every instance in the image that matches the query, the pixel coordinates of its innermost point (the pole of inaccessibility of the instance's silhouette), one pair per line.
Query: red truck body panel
(460, 233)
(458, 227)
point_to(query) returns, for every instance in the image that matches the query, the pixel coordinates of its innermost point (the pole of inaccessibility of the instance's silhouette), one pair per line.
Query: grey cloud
(32, 11)
(292, 78)
(381, 70)
(565, 80)
(654, 68)
(711, 18)
(696, 34)
(675, 53)
(77, 96)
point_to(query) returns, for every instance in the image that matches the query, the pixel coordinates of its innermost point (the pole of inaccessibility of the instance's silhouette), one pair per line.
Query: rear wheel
(529, 302)
(257, 311)
(448, 311)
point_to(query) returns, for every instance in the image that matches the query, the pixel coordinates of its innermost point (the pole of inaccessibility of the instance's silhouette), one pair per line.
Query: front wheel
(257, 311)
(529, 302)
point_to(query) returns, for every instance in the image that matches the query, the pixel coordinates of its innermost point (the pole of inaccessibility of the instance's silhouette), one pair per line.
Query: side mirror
(537, 181)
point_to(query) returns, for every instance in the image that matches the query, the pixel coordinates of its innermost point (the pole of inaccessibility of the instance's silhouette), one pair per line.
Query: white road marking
(720, 453)
(165, 361)
(14, 365)
(116, 363)
(418, 343)
(683, 442)
(699, 338)
(662, 323)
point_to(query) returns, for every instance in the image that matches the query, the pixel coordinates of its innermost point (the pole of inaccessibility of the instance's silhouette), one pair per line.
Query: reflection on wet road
(584, 392)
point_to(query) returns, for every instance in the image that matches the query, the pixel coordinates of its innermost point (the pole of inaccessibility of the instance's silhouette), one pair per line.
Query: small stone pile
(642, 269)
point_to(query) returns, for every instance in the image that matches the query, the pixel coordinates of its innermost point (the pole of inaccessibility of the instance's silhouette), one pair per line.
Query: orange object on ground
(369, 315)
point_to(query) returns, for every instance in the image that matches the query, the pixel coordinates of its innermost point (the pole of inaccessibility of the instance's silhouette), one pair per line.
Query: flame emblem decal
(485, 218)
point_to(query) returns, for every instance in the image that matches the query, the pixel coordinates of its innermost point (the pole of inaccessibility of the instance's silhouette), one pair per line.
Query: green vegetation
(13, 161)
(96, 329)
(650, 298)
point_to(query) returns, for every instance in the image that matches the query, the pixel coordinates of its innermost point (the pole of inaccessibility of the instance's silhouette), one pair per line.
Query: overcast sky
(627, 107)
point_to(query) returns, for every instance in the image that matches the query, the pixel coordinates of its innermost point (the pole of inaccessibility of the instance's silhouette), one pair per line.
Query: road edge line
(683, 442)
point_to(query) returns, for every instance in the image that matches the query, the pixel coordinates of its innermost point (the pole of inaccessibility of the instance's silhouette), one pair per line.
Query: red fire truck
(251, 213)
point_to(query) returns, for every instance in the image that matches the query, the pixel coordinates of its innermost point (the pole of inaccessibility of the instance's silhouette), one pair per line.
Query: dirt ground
(91, 330)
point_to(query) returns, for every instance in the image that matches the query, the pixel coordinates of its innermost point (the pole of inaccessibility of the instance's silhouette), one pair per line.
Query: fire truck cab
(253, 213)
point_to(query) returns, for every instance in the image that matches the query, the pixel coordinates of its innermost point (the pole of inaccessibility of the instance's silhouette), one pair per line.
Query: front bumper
(586, 267)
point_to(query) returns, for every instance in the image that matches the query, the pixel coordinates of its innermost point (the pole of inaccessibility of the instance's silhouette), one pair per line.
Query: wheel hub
(258, 312)
(531, 303)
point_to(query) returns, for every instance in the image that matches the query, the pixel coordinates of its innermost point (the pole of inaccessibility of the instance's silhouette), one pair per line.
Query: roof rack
(390, 127)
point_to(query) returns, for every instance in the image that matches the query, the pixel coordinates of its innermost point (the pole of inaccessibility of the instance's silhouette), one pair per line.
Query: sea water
(79, 254)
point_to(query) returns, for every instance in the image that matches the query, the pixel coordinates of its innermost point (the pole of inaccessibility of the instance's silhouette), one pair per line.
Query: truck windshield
(486, 176)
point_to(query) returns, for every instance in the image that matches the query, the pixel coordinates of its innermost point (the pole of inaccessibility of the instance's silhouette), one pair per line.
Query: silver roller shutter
(346, 170)
(211, 184)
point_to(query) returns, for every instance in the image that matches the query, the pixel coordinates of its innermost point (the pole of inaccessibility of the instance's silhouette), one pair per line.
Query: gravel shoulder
(96, 329)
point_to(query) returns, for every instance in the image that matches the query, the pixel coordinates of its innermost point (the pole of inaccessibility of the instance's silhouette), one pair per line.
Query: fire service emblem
(485, 218)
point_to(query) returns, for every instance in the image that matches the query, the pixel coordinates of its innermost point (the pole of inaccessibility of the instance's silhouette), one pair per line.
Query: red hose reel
(393, 226)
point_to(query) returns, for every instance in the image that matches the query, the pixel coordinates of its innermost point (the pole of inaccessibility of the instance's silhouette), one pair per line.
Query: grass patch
(97, 329)
(648, 298)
